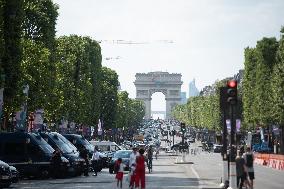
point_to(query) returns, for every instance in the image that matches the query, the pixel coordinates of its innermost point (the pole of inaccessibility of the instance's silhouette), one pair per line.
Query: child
(119, 174)
(132, 176)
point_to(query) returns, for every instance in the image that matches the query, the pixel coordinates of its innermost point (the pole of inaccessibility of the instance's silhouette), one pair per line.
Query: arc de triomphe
(149, 83)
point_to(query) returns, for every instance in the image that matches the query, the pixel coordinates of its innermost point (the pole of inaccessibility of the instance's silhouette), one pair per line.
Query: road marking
(195, 172)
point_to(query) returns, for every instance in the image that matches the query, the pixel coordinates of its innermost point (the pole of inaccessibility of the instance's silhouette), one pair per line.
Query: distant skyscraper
(193, 91)
(183, 98)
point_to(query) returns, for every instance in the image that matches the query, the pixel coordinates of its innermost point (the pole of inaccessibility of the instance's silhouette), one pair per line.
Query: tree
(249, 86)
(266, 58)
(109, 98)
(12, 55)
(123, 110)
(78, 73)
(40, 21)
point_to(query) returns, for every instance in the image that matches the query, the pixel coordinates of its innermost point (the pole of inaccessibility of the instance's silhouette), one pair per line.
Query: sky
(201, 39)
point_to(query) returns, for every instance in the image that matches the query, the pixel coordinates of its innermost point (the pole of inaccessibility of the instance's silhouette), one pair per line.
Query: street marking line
(195, 172)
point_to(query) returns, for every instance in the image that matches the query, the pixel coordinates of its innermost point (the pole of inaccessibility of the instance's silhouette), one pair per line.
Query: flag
(100, 130)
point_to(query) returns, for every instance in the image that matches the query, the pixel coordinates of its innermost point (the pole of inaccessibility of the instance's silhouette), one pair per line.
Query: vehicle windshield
(67, 142)
(86, 143)
(61, 145)
(47, 149)
(122, 154)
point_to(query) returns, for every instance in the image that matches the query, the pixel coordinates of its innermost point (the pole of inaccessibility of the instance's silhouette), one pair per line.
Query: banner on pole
(22, 114)
(100, 130)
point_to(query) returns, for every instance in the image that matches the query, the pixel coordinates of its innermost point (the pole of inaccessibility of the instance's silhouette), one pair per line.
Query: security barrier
(270, 160)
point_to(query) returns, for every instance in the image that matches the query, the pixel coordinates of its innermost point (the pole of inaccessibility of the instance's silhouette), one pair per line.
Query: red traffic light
(232, 84)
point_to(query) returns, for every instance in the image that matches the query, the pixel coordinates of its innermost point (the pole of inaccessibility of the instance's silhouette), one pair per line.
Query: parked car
(124, 155)
(5, 175)
(15, 176)
(29, 153)
(68, 150)
(79, 141)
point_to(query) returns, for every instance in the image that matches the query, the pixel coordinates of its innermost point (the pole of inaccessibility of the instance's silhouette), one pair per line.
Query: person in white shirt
(132, 161)
(95, 161)
(133, 155)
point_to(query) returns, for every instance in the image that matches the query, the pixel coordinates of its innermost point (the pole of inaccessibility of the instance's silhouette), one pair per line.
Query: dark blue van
(68, 150)
(29, 153)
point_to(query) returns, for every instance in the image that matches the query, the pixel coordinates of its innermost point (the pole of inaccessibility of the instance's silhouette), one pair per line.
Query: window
(14, 149)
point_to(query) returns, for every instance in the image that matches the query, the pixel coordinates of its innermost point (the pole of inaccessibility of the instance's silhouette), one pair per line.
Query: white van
(106, 146)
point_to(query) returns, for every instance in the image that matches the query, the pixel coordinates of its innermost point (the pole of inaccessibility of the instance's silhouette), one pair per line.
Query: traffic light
(232, 92)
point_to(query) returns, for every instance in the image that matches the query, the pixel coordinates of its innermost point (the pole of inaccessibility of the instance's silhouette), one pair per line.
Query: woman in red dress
(140, 170)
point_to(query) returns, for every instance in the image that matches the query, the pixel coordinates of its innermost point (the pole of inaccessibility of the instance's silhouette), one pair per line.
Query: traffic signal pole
(232, 162)
(223, 109)
(232, 101)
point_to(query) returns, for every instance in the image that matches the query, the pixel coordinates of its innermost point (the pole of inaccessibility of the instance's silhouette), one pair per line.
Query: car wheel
(110, 171)
(43, 173)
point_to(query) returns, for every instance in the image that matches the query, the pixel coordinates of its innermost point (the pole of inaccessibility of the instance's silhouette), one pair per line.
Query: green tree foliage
(123, 110)
(249, 85)
(12, 54)
(109, 98)
(266, 58)
(78, 73)
(201, 111)
(277, 85)
(130, 112)
(36, 73)
(136, 113)
(39, 21)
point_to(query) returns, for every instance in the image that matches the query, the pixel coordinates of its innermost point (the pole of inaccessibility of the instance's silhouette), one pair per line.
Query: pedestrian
(241, 171)
(133, 155)
(119, 167)
(140, 170)
(95, 161)
(56, 163)
(249, 158)
(150, 158)
(84, 154)
(132, 176)
(132, 160)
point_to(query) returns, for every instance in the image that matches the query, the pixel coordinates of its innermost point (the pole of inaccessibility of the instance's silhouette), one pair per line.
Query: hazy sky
(209, 36)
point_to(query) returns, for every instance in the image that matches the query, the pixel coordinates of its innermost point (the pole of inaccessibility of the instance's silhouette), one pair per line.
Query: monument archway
(149, 83)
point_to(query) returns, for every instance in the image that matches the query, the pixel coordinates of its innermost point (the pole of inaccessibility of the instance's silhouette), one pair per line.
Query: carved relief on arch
(142, 93)
(164, 91)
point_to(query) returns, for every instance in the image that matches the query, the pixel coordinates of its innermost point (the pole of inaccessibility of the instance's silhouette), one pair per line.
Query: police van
(67, 149)
(28, 152)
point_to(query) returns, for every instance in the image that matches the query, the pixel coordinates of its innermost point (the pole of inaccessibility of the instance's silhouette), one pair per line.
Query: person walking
(84, 154)
(119, 166)
(95, 161)
(132, 161)
(140, 170)
(132, 176)
(249, 158)
(56, 163)
(150, 159)
(241, 171)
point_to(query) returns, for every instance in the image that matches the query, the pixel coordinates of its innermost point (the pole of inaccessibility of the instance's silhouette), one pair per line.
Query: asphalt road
(165, 174)
(199, 171)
